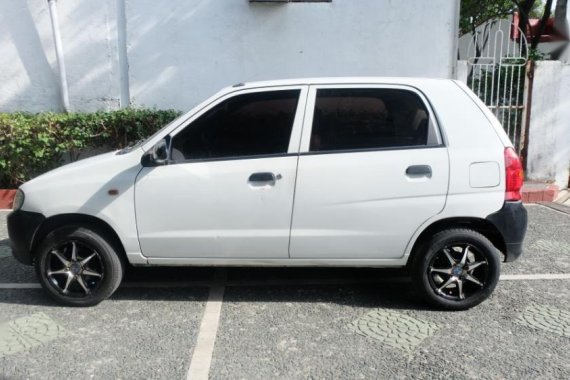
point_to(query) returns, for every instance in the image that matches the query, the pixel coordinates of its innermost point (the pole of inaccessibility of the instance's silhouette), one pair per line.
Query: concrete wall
(462, 71)
(549, 134)
(181, 51)
(28, 67)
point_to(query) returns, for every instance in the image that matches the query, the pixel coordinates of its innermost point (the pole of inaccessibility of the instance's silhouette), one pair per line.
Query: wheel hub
(75, 268)
(457, 270)
(453, 271)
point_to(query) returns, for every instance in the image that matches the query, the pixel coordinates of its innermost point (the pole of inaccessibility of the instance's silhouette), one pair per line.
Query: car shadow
(355, 287)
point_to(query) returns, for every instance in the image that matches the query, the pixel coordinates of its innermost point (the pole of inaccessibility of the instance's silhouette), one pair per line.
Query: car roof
(410, 81)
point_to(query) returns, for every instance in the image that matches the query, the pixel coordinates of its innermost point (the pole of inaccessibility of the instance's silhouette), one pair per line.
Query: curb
(7, 198)
(534, 193)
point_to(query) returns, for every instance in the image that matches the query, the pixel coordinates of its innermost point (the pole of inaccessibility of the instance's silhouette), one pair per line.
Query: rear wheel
(78, 266)
(457, 269)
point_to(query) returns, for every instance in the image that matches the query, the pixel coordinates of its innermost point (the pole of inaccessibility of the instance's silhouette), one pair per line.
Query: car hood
(99, 168)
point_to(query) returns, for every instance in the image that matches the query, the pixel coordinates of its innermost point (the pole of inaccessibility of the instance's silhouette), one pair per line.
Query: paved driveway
(263, 323)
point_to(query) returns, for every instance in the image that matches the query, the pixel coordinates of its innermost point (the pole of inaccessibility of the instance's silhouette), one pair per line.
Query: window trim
(294, 139)
(233, 158)
(310, 110)
(370, 150)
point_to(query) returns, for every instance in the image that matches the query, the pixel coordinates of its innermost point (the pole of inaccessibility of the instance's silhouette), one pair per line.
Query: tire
(81, 278)
(456, 269)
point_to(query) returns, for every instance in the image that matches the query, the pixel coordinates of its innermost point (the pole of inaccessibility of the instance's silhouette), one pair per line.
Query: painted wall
(549, 134)
(184, 51)
(462, 71)
(181, 51)
(28, 67)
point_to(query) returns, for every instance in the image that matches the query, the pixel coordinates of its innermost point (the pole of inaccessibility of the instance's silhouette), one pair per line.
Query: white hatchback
(368, 172)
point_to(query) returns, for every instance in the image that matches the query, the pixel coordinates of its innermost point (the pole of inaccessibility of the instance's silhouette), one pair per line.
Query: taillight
(514, 175)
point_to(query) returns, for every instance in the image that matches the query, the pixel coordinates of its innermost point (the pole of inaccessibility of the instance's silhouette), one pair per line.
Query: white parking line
(292, 282)
(545, 276)
(20, 286)
(204, 349)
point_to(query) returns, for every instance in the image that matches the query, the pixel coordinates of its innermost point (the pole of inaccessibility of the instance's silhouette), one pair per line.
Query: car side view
(356, 172)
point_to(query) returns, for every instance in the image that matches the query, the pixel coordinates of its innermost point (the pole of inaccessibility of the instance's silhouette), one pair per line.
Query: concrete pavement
(296, 323)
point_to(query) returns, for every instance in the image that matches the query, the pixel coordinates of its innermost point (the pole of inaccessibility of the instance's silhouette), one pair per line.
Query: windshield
(141, 142)
(144, 141)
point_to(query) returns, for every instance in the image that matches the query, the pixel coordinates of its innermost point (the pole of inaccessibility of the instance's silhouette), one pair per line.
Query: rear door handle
(263, 179)
(415, 171)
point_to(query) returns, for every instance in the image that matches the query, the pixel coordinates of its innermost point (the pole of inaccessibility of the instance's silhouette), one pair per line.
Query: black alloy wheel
(78, 265)
(456, 269)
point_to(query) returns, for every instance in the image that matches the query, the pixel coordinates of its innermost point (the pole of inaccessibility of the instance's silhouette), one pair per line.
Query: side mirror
(157, 156)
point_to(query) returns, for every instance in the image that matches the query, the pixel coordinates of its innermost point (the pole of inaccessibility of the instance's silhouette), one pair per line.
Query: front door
(372, 169)
(228, 190)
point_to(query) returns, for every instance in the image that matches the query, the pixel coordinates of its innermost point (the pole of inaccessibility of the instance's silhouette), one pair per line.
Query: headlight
(18, 200)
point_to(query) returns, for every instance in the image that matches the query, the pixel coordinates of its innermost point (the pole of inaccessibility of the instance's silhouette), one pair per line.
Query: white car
(359, 172)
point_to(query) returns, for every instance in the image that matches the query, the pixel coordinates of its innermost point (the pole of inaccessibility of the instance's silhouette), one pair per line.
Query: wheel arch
(84, 220)
(482, 226)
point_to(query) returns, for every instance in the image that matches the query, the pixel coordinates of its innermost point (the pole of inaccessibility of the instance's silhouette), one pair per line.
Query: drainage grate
(396, 330)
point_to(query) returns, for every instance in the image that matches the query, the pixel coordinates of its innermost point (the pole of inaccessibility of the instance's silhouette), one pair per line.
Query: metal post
(59, 54)
(125, 100)
(527, 112)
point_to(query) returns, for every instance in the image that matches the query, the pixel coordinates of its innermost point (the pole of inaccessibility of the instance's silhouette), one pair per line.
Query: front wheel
(78, 266)
(457, 269)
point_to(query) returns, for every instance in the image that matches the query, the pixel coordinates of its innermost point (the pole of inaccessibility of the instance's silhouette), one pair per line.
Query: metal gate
(497, 73)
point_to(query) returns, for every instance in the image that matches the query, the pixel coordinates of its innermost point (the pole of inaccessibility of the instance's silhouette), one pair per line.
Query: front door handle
(416, 171)
(263, 179)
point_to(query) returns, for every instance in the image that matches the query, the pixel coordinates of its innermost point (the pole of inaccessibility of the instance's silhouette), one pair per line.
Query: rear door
(372, 169)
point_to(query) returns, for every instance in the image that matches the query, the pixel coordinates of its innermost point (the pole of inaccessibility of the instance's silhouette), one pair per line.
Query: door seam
(297, 171)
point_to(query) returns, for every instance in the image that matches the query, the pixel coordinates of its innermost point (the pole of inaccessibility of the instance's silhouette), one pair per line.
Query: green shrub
(31, 144)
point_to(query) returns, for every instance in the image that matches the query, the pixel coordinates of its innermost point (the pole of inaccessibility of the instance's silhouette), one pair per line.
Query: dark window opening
(349, 119)
(245, 125)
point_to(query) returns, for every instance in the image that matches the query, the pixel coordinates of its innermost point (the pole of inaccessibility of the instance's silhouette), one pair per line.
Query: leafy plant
(31, 144)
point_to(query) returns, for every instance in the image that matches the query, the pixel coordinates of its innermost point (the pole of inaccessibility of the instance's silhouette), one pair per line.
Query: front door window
(249, 125)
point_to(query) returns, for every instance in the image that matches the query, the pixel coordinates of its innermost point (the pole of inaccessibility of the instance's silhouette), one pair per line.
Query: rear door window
(370, 118)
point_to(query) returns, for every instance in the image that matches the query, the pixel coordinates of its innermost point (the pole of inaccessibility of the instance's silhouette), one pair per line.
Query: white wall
(181, 51)
(28, 67)
(549, 134)
(462, 71)
(184, 51)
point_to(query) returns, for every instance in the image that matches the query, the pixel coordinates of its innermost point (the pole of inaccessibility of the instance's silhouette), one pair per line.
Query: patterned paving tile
(24, 333)
(553, 246)
(546, 318)
(394, 329)
(5, 251)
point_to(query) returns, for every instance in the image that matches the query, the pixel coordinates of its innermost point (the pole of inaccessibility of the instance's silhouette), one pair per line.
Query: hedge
(31, 144)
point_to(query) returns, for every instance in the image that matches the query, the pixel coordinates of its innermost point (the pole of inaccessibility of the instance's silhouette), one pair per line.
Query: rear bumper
(22, 226)
(511, 221)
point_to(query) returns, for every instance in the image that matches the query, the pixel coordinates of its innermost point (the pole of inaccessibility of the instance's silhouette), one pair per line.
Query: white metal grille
(497, 72)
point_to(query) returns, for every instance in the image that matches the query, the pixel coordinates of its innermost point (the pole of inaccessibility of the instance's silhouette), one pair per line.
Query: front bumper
(511, 221)
(22, 226)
